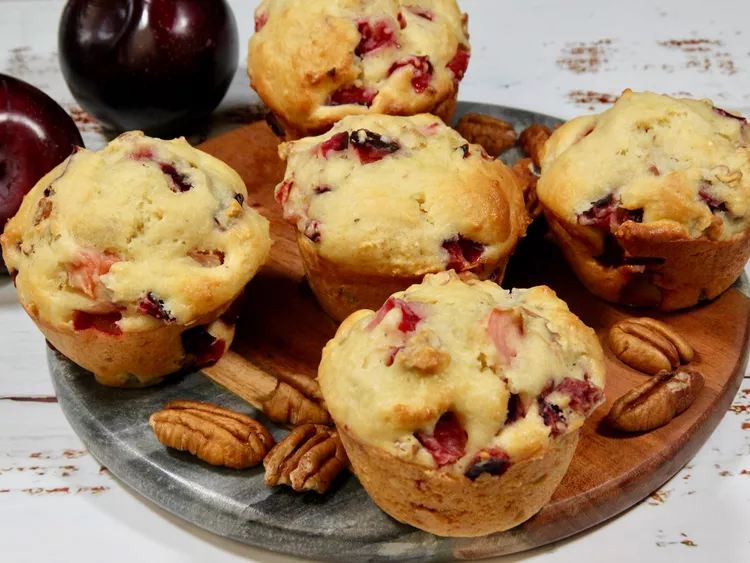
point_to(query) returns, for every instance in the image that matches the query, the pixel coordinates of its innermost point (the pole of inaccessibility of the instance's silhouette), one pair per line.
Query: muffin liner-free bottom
(445, 504)
(340, 291)
(133, 359)
(668, 269)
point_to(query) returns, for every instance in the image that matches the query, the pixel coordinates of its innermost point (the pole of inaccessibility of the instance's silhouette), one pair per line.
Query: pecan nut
(657, 401)
(494, 135)
(532, 140)
(216, 435)
(286, 404)
(527, 179)
(423, 352)
(308, 459)
(649, 345)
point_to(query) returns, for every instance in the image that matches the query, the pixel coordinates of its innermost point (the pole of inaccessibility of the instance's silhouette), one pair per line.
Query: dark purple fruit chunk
(493, 461)
(516, 409)
(150, 305)
(201, 347)
(180, 182)
(463, 253)
(553, 417)
(371, 147)
(584, 395)
(151, 66)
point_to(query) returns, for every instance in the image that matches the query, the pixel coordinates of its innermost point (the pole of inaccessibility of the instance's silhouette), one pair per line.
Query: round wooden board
(282, 332)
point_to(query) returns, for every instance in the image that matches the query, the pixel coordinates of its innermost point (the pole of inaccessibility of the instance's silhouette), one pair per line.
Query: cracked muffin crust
(650, 200)
(456, 390)
(344, 57)
(145, 243)
(380, 201)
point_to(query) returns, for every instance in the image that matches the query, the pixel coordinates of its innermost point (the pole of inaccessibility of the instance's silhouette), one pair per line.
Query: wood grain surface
(283, 330)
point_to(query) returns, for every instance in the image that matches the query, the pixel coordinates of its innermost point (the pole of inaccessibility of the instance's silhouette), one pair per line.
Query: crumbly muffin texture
(651, 159)
(140, 233)
(401, 196)
(314, 61)
(463, 374)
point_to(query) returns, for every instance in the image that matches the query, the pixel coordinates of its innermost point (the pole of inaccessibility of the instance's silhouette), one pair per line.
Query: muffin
(312, 62)
(459, 403)
(129, 259)
(650, 200)
(379, 201)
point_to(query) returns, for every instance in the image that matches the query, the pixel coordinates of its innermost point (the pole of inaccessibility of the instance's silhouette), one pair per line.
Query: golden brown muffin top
(315, 61)
(147, 230)
(673, 162)
(401, 196)
(463, 374)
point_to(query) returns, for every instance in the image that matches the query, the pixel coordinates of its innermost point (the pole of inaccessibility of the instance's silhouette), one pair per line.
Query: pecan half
(216, 435)
(657, 401)
(495, 135)
(285, 397)
(287, 404)
(308, 459)
(532, 141)
(649, 345)
(527, 179)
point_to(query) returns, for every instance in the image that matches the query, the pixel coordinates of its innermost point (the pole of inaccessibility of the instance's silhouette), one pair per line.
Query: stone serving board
(284, 330)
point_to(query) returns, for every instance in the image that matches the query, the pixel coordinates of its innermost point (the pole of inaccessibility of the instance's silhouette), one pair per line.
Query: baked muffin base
(133, 359)
(450, 505)
(341, 292)
(693, 270)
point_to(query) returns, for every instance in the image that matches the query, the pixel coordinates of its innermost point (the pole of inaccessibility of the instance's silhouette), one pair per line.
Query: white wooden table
(561, 58)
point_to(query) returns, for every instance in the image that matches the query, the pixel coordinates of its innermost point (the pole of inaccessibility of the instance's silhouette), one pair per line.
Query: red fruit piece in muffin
(84, 273)
(410, 315)
(463, 253)
(421, 75)
(376, 35)
(153, 306)
(506, 330)
(447, 443)
(459, 63)
(584, 395)
(106, 323)
(338, 142)
(371, 147)
(351, 94)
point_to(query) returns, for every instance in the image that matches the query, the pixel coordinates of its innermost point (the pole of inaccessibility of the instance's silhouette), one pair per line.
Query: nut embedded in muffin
(650, 200)
(130, 259)
(312, 62)
(459, 403)
(380, 201)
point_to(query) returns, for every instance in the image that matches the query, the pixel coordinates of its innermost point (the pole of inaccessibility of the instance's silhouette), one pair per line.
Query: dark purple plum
(154, 66)
(36, 135)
